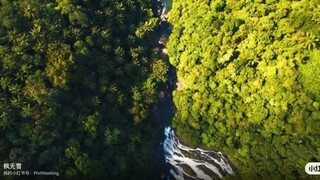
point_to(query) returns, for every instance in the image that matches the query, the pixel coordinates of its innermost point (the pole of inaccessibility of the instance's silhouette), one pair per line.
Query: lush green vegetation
(77, 79)
(249, 81)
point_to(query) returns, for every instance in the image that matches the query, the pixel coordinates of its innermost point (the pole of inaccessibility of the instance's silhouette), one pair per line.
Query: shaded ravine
(174, 160)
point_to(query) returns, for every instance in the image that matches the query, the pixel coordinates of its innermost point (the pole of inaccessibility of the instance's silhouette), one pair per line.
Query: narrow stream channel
(179, 161)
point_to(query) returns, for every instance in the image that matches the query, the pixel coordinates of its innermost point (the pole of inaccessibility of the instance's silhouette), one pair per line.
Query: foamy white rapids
(204, 164)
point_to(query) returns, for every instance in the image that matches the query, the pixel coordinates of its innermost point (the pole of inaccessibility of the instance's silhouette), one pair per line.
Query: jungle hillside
(77, 82)
(249, 82)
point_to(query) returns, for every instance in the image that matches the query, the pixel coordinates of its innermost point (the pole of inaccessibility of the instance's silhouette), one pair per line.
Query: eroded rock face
(180, 85)
(201, 164)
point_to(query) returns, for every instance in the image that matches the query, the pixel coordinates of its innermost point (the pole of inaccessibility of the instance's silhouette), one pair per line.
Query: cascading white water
(166, 6)
(203, 163)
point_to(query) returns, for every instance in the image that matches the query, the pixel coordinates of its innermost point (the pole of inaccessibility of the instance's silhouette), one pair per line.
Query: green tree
(159, 71)
(59, 66)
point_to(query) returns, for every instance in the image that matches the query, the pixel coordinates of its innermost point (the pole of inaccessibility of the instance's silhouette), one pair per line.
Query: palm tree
(76, 32)
(4, 50)
(119, 6)
(310, 41)
(305, 40)
(120, 18)
(131, 40)
(29, 12)
(22, 40)
(21, 76)
(15, 88)
(35, 31)
(106, 34)
(16, 101)
(12, 35)
(26, 111)
(4, 82)
(95, 30)
(119, 54)
(113, 88)
(39, 46)
(133, 53)
(6, 122)
(131, 3)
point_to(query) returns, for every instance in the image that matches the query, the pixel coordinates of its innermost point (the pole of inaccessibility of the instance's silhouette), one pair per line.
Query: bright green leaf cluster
(248, 82)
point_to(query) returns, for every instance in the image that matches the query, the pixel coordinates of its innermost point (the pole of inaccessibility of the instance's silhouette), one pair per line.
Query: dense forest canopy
(77, 80)
(249, 81)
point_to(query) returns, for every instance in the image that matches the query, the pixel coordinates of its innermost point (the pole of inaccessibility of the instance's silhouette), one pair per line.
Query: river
(180, 161)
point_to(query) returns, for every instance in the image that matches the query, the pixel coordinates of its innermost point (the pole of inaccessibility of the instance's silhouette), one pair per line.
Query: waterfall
(166, 7)
(203, 163)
